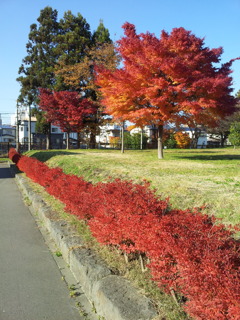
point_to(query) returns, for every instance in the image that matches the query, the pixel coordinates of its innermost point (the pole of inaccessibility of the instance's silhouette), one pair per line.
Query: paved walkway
(31, 285)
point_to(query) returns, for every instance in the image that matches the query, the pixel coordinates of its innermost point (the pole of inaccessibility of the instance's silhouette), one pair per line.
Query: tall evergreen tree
(50, 43)
(102, 52)
(74, 38)
(54, 45)
(72, 43)
(101, 35)
(80, 76)
(37, 69)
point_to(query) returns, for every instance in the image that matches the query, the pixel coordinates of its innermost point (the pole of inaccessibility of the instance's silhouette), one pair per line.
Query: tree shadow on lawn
(210, 157)
(44, 156)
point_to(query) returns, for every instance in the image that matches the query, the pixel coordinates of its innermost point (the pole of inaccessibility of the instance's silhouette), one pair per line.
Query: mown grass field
(190, 178)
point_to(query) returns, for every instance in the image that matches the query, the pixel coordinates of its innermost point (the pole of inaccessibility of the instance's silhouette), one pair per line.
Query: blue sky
(218, 21)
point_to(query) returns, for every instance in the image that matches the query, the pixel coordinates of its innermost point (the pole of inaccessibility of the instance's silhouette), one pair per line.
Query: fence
(41, 145)
(4, 148)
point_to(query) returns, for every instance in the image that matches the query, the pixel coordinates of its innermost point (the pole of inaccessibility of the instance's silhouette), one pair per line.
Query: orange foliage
(129, 128)
(81, 75)
(183, 140)
(114, 141)
(168, 79)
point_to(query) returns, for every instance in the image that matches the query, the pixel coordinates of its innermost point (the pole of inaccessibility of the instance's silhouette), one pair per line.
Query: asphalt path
(31, 285)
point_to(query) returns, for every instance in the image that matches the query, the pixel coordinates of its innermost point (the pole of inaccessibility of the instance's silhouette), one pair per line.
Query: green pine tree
(101, 35)
(37, 69)
(74, 38)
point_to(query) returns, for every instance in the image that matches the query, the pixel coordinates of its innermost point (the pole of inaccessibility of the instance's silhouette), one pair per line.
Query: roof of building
(7, 126)
(27, 119)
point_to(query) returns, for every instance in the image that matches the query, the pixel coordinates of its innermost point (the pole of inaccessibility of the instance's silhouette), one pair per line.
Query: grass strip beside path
(191, 178)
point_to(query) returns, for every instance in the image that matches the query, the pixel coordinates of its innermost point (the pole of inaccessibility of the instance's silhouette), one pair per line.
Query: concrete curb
(113, 296)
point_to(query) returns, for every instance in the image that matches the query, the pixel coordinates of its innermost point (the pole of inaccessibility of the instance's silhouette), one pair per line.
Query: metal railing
(4, 148)
(41, 145)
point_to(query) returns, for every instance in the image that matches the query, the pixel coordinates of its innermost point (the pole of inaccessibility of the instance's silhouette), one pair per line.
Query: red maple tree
(66, 109)
(170, 79)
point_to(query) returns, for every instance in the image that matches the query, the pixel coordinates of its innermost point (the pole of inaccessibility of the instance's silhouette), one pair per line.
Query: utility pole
(17, 129)
(29, 127)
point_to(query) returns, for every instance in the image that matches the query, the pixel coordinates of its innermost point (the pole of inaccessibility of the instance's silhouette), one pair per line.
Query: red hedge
(188, 253)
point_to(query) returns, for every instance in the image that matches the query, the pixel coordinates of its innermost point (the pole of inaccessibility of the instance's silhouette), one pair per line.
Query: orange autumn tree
(172, 79)
(183, 140)
(114, 141)
(80, 76)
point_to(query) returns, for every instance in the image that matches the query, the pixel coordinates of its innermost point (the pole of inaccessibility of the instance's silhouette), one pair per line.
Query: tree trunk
(122, 140)
(67, 140)
(78, 140)
(92, 141)
(141, 142)
(223, 139)
(49, 142)
(196, 136)
(160, 141)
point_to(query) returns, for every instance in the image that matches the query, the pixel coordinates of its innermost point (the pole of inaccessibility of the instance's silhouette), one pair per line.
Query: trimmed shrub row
(188, 253)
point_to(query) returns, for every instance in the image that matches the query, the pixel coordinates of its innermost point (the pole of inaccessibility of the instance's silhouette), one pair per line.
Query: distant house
(57, 136)
(203, 139)
(200, 136)
(149, 130)
(7, 134)
(107, 131)
(23, 129)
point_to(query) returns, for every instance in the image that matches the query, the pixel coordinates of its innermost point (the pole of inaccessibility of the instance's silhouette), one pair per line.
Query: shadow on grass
(46, 155)
(210, 157)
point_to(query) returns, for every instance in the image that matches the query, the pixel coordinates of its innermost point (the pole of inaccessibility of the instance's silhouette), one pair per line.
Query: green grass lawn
(190, 178)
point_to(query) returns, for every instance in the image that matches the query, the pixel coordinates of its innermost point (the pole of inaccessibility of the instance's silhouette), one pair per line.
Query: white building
(23, 127)
(203, 140)
(150, 131)
(107, 131)
(7, 134)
